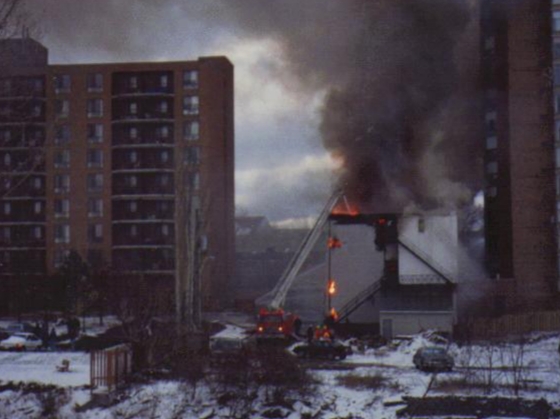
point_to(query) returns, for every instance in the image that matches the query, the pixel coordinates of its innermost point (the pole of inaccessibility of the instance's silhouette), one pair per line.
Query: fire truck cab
(275, 324)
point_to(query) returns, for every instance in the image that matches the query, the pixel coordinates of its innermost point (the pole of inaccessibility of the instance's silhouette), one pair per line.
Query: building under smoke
(128, 164)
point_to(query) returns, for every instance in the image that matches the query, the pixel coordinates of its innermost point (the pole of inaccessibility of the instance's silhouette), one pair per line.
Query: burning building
(387, 273)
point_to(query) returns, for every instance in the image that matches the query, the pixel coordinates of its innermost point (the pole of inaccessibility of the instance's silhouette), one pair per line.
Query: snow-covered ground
(354, 388)
(40, 367)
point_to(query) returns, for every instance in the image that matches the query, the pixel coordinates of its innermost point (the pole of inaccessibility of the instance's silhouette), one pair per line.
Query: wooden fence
(109, 367)
(512, 325)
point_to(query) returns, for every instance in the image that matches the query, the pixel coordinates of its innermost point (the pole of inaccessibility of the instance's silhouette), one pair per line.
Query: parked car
(21, 342)
(322, 349)
(433, 358)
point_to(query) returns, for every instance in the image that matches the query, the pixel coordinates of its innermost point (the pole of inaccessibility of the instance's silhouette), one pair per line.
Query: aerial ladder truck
(273, 321)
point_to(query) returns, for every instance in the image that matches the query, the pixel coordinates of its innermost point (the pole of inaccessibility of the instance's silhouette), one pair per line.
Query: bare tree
(12, 17)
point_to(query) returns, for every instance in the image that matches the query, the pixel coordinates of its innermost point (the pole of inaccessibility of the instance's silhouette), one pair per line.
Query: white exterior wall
(438, 244)
(408, 323)
(355, 266)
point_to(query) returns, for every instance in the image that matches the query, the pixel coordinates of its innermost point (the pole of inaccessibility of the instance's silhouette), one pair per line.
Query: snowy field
(40, 367)
(358, 387)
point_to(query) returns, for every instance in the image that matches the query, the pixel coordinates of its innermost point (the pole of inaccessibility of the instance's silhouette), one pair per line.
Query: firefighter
(309, 334)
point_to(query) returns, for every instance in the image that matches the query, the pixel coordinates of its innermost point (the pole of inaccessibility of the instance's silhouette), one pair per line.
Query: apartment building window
(6, 135)
(94, 82)
(62, 135)
(95, 233)
(95, 207)
(132, 157)
(62, 159)
(37, 85)
(61, 208)
(164, 156)
(133, 108)
(7, 159)
(556, 50)
(162, 131)
(193, 180)
(36, 110)
(133, 230)
(164, 179)
(132, 206)
(37, 183)
(164, 81)
(133, 82)
(62, 233)
(190, 79)
(131, 181)
(165, 230)
(190, 105)
(60, 256)
(492, 168)
(95, 133)
(38, 232)
(556, 21)
(38, 207)
(61, 183)
(7, 208)
(192, 155)
(62, 108)
(62, 83)
(191, 130)
(163, 107)
(133, 132)
(95, 182)
(95, 158)
(94, 108)
(490, 118)
(492, 192)
(6, 234)
(491, 142)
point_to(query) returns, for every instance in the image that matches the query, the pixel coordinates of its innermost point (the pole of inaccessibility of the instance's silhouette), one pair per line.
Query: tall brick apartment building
(522, 148)
(116, 162)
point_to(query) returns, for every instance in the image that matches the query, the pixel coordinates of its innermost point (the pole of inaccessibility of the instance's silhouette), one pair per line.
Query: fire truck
(272, 320)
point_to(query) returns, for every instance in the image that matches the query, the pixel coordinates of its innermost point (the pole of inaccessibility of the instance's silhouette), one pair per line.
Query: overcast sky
(282, 170)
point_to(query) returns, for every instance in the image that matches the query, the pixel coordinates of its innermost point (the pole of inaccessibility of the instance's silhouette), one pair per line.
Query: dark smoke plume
(397, 75)
(398, 106)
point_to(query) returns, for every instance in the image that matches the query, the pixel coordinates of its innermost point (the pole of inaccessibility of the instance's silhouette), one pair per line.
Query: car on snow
(433, 358)
(21, 342)
(326, 349)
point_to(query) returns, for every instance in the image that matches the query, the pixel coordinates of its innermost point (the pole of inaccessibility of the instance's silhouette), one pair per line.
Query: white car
(21, 342)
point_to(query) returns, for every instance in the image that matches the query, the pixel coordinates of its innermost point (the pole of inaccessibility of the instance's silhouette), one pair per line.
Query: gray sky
(282, 169)
(372, 95)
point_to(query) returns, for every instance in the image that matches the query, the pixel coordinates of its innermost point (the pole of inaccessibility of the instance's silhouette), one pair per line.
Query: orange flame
(334, 314)
(346, 208)
(331, 287)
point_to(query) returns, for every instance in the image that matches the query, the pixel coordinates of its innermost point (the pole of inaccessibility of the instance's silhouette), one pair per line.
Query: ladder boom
(283, 285)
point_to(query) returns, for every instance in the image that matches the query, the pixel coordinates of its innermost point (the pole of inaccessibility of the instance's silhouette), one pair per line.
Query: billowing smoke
(400, 78)
(396, 75)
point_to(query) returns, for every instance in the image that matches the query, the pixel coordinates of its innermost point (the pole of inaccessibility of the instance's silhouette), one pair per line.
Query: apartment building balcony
(143, 235)
(144, 109)
(136, 184)
(145, 83)
(127, 211)
(142, 134)
(143, 159)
